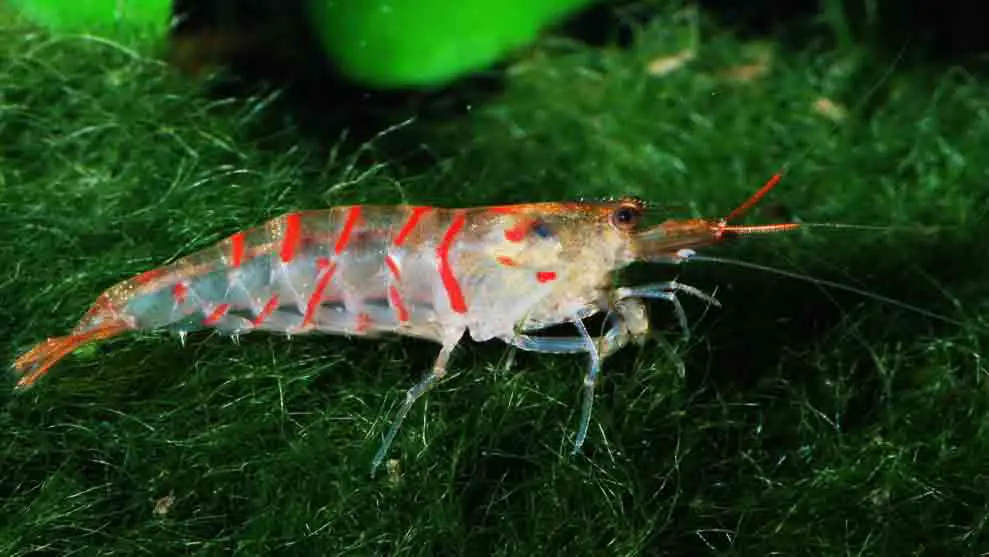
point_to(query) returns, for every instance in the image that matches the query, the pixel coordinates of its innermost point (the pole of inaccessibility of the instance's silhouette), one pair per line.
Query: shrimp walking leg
(572, 345)
(590, 380)
(628, 322)
(668, 291)
(411, 396)
(548, 345)
(614, 339)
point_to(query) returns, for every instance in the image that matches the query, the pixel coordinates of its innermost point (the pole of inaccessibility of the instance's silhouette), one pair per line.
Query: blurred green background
(426, 43)
(806, 421)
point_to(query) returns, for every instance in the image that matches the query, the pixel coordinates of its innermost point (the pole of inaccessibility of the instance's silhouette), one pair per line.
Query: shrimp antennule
(754, 198)
(740, 211)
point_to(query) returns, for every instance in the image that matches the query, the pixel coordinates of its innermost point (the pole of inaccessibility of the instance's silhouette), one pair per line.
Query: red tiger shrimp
(499, 272)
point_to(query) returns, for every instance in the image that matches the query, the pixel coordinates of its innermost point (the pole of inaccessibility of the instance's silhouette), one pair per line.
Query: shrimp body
(491, 272)
(359, 270)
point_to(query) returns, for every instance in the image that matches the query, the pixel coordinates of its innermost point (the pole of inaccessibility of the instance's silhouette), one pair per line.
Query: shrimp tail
(35, 363)
(101, 322)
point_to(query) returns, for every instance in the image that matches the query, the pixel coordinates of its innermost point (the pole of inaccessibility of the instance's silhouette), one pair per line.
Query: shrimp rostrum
(501, 272)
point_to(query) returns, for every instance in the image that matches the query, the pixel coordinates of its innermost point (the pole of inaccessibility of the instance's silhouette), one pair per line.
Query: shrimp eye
(541, 229)
(626, 217)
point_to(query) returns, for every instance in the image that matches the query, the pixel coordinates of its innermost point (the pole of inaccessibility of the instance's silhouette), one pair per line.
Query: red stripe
(293, 233)
(507, 261)
(517, 232)
(393, 267)
(179, 291)
(149, 276)
(363, 323)
(417, 213)
(450, 283)
(545, 276)
(398, 305)
(348, 228)
(217, 314)
(269, 307)
(236, 249)
(317, 295)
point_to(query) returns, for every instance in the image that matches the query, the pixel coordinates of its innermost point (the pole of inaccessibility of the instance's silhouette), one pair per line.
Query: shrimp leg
(430, 380)
(548, 345)
(668, 291)
(570, 345)
(628, 322)
(590, 380)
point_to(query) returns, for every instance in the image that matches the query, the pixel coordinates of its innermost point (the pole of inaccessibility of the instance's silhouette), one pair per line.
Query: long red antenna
(761, 228)
(752, 200)
(766, 188)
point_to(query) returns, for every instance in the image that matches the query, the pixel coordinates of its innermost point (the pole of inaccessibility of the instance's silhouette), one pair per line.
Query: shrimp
(497, 272)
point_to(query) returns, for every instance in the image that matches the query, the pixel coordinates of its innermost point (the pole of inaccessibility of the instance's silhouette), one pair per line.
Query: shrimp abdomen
(353, 270)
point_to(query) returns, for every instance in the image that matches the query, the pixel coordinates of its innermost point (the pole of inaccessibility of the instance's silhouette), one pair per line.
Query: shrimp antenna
(830, 284)
(748, 204)
(932, 229)
(775, 179)
(755, 197)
